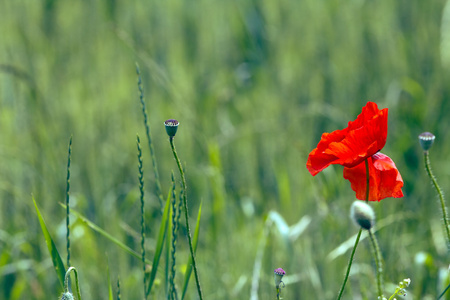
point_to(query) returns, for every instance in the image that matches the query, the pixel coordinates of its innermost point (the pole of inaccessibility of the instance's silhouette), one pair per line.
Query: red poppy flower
(352, 145)
(384, 181)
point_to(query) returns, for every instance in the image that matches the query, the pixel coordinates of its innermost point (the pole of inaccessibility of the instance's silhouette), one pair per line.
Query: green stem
(183, 179)
(443, 293)
(378, 263)
(278, 293)
(67, 201)
(350, 262)
(367, 179)
(149, 138)
(173, 294)
(141, 189)
(439, 191)
(118, 289)
(66, 282)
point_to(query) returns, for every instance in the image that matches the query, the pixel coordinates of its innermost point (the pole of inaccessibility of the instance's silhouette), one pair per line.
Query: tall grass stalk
(173, 294)
(149, 139)
(67, 201)
(141, 190)
(118, 288)
(186, 215)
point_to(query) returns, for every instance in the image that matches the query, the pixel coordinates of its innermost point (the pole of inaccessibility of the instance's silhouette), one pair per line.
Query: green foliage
(160, 243)
(194, 245)
(54, 254)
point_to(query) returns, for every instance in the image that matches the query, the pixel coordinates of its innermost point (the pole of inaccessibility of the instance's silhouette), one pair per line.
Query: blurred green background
(254, 84)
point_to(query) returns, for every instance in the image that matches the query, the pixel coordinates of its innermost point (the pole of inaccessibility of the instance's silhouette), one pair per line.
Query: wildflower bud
(362, 214)
(426, 140)
(171, 127)
(405, 283)
(278, 275)
(67, 296)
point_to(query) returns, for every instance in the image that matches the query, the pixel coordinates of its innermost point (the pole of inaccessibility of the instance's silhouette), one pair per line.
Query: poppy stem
(350, 262)
(367, 180)
(378, 263)
(186, 214)
(439, 191)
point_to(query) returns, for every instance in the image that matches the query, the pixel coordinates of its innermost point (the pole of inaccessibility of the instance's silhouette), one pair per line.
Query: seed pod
(171, 127)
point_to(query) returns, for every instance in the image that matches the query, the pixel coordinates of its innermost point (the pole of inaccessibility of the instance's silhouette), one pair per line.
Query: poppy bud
(278, 275)
(426, 140)
(362, 214)
(171, 127)
(67, 296)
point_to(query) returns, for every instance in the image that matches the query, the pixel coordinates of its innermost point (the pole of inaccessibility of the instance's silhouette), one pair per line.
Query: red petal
(385, 179)
(350, 146)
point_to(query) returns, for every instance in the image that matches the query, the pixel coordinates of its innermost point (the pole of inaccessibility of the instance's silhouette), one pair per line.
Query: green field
(253, 84)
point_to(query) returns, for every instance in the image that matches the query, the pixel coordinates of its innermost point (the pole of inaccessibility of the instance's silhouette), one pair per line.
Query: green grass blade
(159, 244)
(105, 234)
(56, 258)
(187, 275)
(110, 292)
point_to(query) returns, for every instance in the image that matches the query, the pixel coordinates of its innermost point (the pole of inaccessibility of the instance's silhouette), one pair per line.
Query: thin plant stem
(443, 293)
(278, 293)
(66, 281)
(173, 290)
(367, 179)
(118, 288)
(141, 189)
(440, 193)
(183, 180)
(350, 262)
(67, 201)
(149, 138)
(378, 263)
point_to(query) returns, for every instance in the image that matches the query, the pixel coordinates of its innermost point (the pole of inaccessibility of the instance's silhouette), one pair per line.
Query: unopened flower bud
(278, 275)
(362, 214)
(67, 296)
(426, 140)
(405, 283)
(171, 127)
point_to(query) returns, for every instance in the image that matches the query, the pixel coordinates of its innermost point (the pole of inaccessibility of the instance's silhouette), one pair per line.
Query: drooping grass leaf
(159, 244)
(187, 275)
(56, 258)
(105, 234)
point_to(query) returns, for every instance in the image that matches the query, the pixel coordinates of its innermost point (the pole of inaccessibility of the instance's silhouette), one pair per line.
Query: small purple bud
(278, 275)
(426, 140)
(171, 127)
